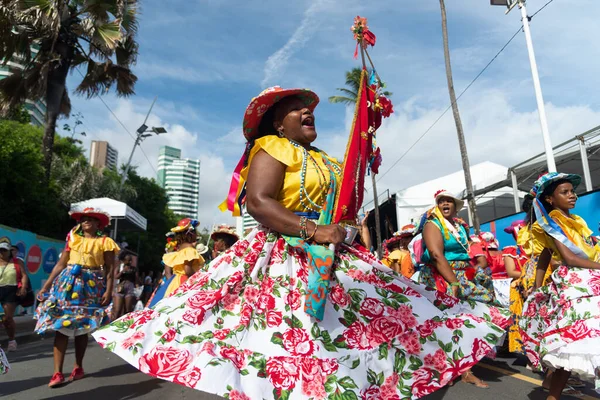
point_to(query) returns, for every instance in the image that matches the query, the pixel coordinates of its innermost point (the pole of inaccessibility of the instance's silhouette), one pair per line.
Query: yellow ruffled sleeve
(110, 245)
(279, 148)
(178, 259)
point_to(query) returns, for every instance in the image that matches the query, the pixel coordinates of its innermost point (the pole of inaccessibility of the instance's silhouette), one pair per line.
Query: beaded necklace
(325, 186)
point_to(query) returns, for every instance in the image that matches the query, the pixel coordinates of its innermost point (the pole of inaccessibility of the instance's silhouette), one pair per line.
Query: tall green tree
(25, 202)
(97, 36)
(350, 93)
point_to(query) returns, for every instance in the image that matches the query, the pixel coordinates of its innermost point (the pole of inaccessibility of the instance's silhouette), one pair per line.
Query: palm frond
(126, 52)
(15, 45)
(108, 35)
(98, 10)
(353, 78)
(348, 92)
(101, 76)
(129, 18)
(23, 84)
(342, 99)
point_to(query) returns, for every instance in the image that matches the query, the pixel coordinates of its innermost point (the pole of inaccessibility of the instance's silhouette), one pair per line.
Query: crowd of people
(296, 310)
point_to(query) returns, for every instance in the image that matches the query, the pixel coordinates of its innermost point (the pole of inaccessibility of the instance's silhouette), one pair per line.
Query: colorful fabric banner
(358, 154)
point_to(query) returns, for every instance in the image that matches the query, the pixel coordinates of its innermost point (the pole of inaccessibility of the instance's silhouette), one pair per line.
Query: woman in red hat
(73, 301)
(397, 256)
(284, 315)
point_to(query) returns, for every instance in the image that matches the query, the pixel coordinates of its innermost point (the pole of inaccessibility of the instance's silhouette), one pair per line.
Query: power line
(461, 94)
(544, 6)
(124, 127)
(450, 106)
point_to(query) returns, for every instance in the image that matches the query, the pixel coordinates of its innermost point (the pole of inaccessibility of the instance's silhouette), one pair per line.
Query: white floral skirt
(560, 325)
(238, 330)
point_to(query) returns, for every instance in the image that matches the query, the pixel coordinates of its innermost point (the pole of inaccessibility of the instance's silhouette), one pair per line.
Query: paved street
(109, 378)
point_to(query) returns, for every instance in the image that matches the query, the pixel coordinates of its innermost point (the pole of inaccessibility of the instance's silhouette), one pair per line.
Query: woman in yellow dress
(281, 314)
(560, 324)
(185, 261)
(73, 299)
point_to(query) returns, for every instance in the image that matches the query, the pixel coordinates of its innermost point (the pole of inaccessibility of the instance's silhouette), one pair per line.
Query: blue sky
(205, 60)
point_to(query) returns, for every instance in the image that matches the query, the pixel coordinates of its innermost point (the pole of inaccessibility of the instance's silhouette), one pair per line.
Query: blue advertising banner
(38, 253)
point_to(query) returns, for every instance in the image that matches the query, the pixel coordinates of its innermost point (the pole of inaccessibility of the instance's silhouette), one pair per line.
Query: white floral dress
(560, 325)
(241, 328)
(238, 330)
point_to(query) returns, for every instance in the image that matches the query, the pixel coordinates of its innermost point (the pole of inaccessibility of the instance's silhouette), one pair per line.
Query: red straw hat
(266, 99)
(102, 216)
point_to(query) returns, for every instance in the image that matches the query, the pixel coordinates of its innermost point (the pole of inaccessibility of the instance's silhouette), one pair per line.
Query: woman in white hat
(282, 314)
(72, 302)
(447, 266)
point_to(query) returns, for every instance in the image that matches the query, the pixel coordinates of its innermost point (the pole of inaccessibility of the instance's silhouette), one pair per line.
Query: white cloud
(494, 129)
(278, 60)
(214, 174)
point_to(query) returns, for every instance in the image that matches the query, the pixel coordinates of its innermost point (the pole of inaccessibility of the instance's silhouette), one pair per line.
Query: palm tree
(349, 95)
(459, 128)
(52, 37)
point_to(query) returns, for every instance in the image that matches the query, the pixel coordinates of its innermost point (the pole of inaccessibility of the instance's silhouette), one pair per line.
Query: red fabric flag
(358, 153)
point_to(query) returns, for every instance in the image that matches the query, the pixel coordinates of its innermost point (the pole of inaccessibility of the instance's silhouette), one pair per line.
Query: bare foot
(469, 377)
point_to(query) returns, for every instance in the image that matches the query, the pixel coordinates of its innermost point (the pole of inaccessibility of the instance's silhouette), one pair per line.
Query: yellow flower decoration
(66, 323)
(92, 283)
(69, 287)
(74, 296)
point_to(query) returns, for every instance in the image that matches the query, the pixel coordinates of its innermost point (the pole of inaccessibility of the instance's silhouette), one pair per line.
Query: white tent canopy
(120, 213)
(412, 202)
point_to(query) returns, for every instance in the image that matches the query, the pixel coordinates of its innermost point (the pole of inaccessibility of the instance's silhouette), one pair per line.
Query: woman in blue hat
(560, 325)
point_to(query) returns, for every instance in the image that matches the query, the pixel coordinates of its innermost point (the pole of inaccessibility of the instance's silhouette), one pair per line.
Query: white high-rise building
(181, 178)
(35, 108)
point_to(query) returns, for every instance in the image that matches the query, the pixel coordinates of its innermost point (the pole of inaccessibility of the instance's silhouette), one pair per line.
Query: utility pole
(459, 128)
(141, 135)
(537, 87)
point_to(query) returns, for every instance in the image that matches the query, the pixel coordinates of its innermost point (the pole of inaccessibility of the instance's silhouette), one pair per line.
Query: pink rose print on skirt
(165, 362)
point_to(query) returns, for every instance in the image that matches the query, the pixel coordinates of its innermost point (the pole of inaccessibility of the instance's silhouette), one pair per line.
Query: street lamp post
(510, 4)
(142, 133)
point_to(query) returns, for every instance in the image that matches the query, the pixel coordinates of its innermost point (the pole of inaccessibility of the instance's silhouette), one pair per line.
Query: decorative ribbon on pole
(362, 154)
(362, 34)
